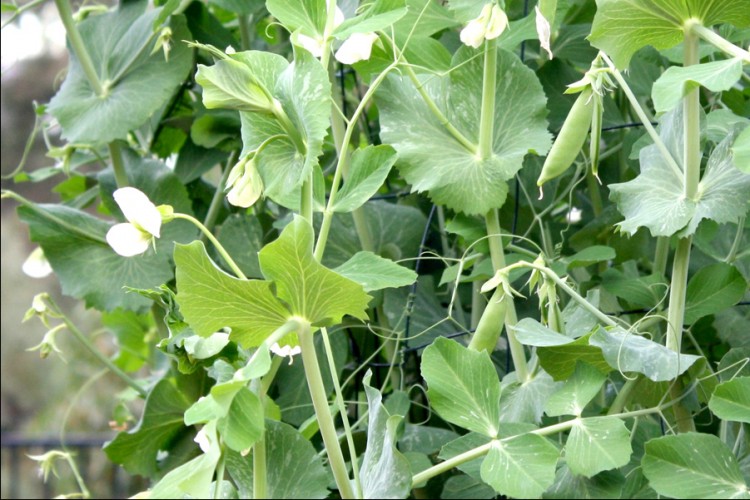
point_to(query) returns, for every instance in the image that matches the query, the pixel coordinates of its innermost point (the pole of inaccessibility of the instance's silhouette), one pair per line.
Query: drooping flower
(244, 183)
(357, 47)
(490, 24)
(144, 223)
(36, 264)
(543, 31)
(286, 351)
(315, 45)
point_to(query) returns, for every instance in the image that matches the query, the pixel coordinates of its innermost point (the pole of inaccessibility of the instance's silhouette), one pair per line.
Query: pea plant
(408, 248)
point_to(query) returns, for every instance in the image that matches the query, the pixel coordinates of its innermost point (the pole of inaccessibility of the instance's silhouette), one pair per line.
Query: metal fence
(20, 477)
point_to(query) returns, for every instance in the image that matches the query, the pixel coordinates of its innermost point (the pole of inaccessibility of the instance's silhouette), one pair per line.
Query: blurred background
(63, 399)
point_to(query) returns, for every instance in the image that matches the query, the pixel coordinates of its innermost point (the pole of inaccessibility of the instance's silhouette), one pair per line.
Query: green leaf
(522, 467)
(731, 400)
(621, 27)
(204, 347)
(294, 468)
(374, 272)
(713, 289)
(693, 465)
(463, 387)
(577, 392)
(242, 236)
(210, 299)
(607, 484)
(462, 486)
(628, 352)
(386, 473)
(640, 291)
(374, 19)
(369, 168)
(655, 199)
(160, 428)
(313, 292)
(468, 442)
(453, 174)
(590, 255)
(676, 81)
(424, 439)
(243, 424)
(131, 331)
(525, 402)
(741, 151)
(531, 332)
(137, 82)
(735, 363)
(597, 444)
(309, 16)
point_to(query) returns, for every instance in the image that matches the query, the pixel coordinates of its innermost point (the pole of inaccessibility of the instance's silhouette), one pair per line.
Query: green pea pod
(596, 133)
(491, 323)
(570, 139)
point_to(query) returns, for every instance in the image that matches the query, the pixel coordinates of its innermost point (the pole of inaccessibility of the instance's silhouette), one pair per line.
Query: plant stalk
(219, 247)
(695, 28)
(216, 201)
(79, 48)
(487, 116)
(322, 411)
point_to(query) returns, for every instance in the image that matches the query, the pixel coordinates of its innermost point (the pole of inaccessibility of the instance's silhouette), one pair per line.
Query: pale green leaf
(525, 402)
(204, 347)
(313, 292)
(677, 81)
(385, 471)
(530, 332)
(712, 289)
(466, 487)
(374, 272)
(607, 484)
(597, 444)
(369, 168)
(577, 392)
(453, 174)
(375, 19)
(590, 255)
(306, 15)
(241, 236)
(244, 424)
(731, 400)
(741, 151)
(138, 82)
(628, 352)
(693, 465)
(210, 299)
(463, 387)
(522, 467)
(621, 27)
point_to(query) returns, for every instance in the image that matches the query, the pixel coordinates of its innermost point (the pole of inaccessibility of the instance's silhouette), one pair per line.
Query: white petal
(313, 45)
(247, 189)
(127, 240)
(138, 209)
(497, 24)
(338, 17)
(357, 47)
(285, 350)
(543, 31)
(473, 34)
(36, 264)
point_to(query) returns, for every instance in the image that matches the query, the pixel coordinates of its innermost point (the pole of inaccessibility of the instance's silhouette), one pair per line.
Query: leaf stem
(115, 155)
(218, 198)
(219, 247)
(79, 48)
(260, 472)
(220, 466)
(697, 29)
(322, 411)
(487, 116)
(661, 256)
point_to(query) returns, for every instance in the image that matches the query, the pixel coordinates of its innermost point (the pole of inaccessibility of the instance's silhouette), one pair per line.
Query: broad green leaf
(466, 10)
(137, 82)
(465, 443)
(463, 387)
(597, 444)
(621, 27)
(374, 272)
(453, 174)
(385, 471)
(369, 168)
(242, 236)
(294, 468)
(713, 289)
(210, 299)
(313, 292)
(160, 428)
(735, 363)
(678, 81)
(693, 465)
(309, 16)
(579, 321)
(590, 255)
(204, 347)
(731, 400)
(628, 352)
(607, 484)
(655, 199)
(243, 424)
(463, 486)
(741, 151)
(522, 467)
(525, 402)
(379, 17)
(424, 439)
(531, 332)
(640, 291)
(131, 331)
(577, 392)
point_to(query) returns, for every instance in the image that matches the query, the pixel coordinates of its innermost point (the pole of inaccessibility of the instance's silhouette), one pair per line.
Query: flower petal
(473, 34)
(138, 209)
(357, 47)
(498, 23)
(247, 189)
(313, 45)
(543, 31)
(36, 264)
(127, 240)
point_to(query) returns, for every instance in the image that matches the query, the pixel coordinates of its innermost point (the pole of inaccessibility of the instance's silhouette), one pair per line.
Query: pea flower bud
(244, 183)
(490, 24)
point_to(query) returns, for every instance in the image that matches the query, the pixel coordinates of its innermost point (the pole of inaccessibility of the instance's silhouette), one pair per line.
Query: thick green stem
(220, 467)
(115, 155)
(498, 262)
(245, 33)
(661, 256)
(79, 48)
(594, 193)
(322, 411)
(697, 29)
(219, 247)
(623, 397)
(260, 473)
(487, 117)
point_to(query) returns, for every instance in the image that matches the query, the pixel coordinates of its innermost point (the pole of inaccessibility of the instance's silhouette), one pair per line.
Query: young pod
(491, 323)
(570, 139)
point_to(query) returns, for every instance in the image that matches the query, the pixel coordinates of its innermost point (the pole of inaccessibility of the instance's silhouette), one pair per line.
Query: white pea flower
(315, 45)
(286, 351)
(490, 24)
(36, 264)
(244, 183)
(144, 223)
(543, 31)
(357, 47)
